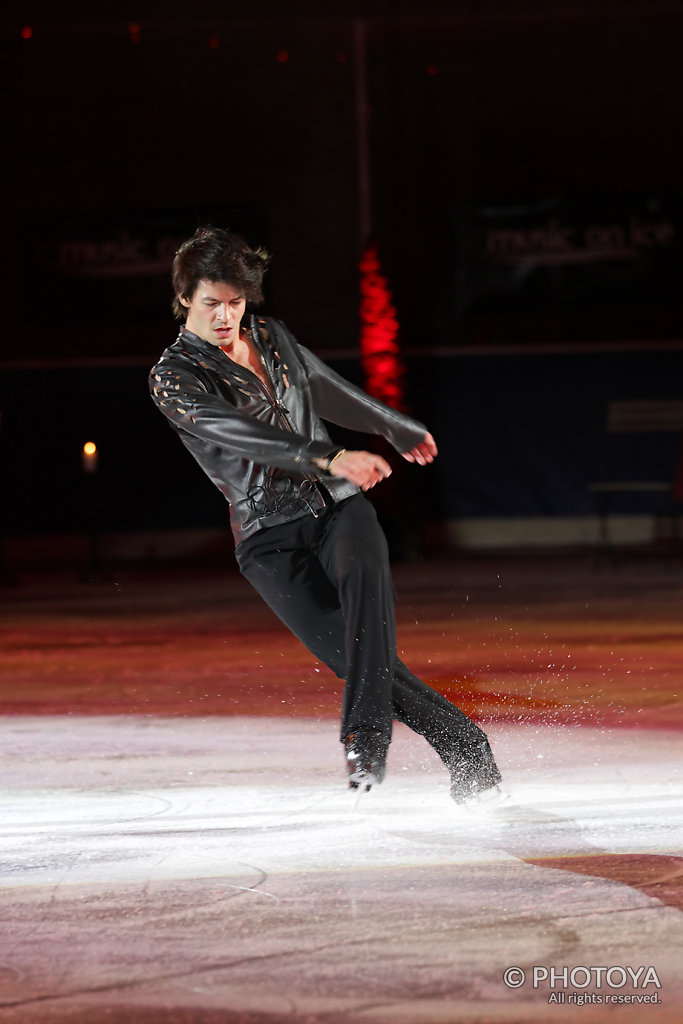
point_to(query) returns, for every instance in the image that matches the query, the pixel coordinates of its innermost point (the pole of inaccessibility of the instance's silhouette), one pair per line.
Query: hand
(362, 468)
(423, 452)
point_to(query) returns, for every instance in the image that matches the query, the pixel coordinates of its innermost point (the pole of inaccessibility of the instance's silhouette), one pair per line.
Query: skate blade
(361, 785)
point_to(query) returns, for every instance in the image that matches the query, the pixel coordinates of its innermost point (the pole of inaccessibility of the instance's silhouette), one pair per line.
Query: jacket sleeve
(338, 401)
(180, 395)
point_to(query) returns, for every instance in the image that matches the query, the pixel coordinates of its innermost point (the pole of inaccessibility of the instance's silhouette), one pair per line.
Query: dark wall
(499, 101)
(110, 129)
(252, 116)
(568, 101)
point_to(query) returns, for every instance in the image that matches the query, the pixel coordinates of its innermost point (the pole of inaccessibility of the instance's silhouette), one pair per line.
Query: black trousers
(329, 580)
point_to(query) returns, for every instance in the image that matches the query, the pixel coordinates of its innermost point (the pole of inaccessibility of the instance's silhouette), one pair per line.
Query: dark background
(129, 124)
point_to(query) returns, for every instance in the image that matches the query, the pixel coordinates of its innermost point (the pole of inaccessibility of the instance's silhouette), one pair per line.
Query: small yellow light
(89, 457)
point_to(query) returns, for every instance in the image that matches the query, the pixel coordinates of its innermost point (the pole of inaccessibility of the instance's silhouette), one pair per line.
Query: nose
(224, 313)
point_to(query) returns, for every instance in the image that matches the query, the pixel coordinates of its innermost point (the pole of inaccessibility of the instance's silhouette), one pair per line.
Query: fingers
(364, 469)
(373, 479)
(371, 471)
(430, 445)
(424, 452)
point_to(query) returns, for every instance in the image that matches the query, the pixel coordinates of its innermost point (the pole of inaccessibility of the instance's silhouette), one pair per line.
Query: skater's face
(215, 312)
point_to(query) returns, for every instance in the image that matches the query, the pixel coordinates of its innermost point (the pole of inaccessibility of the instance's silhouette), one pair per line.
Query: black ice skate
(366, 753)
(475, 776)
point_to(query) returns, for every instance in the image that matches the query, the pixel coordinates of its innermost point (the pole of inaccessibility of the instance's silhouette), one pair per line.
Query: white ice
(170, 869)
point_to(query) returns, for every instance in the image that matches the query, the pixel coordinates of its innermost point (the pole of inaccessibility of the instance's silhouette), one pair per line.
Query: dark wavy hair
(219, 256)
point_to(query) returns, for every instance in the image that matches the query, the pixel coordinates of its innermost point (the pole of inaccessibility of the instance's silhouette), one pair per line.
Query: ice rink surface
(178, 845)
(164, 869)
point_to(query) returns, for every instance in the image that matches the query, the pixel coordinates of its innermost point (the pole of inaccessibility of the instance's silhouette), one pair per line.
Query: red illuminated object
(380, 353)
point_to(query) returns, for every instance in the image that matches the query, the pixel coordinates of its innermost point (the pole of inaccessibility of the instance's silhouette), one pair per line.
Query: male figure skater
(246, 400)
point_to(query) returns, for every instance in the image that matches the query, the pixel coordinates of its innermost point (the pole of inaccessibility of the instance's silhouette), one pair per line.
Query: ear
(184, 302)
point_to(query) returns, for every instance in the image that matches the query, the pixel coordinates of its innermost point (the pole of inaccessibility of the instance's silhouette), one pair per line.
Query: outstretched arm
(181, 396)
(338, 401)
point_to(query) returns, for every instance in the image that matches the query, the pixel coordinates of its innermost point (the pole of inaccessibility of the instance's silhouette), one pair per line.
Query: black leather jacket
(256, 443)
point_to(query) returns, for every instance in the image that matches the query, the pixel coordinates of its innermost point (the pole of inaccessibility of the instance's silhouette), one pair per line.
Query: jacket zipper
(283, 414)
